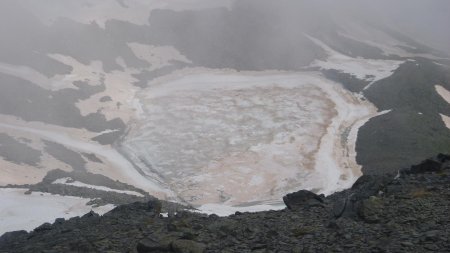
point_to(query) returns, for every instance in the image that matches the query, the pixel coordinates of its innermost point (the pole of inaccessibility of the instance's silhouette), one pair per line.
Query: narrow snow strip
(25, 212)
(446, 120)
(67, 181)
(331, 160)
(124, 166)
(443, 92)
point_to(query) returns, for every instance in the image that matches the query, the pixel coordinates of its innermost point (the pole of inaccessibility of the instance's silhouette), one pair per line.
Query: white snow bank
(225, 210)
(365, 69)
(25, 212)
(68, 181)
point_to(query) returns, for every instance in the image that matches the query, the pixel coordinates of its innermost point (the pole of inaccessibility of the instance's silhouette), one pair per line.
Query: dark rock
(365, 187)
(59, 221)
(91, 214)
(442, 158)
(153, 245)
(105, 99)
(300, 199)
(43, 227)
(154, 206)
(339, 207)
(370, 209)
(332, 225)
(407, 244)
(11, 236)
(428, 165)
(432, 235)
(187, 246)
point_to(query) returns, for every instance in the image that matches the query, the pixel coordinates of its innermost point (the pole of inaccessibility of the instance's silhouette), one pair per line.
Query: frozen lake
(233, 138)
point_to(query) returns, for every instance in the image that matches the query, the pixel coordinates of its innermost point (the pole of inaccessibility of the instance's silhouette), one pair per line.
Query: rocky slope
(390, 213)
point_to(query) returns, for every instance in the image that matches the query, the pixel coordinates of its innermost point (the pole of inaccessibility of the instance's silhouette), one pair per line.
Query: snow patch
(443, 92)
(225, 210)
(446, 120)
(118, 87)
(365, 69)
(25, 212)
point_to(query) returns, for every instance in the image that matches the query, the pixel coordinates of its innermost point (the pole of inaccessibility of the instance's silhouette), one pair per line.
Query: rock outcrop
(389, 213)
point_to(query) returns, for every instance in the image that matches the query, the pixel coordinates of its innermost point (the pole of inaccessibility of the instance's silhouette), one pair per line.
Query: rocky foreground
(407, 212)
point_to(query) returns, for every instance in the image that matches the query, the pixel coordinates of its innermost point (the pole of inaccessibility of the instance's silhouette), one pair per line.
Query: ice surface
(228, 138)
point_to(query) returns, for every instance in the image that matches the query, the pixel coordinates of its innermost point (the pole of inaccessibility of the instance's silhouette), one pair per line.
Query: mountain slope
(213, 103)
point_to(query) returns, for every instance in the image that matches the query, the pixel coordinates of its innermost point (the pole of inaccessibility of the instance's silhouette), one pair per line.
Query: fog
(425, 21)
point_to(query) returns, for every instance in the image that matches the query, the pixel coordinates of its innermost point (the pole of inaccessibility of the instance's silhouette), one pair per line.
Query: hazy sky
(425, 20)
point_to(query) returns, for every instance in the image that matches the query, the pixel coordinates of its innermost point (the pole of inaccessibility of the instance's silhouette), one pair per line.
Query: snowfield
(40, 208)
